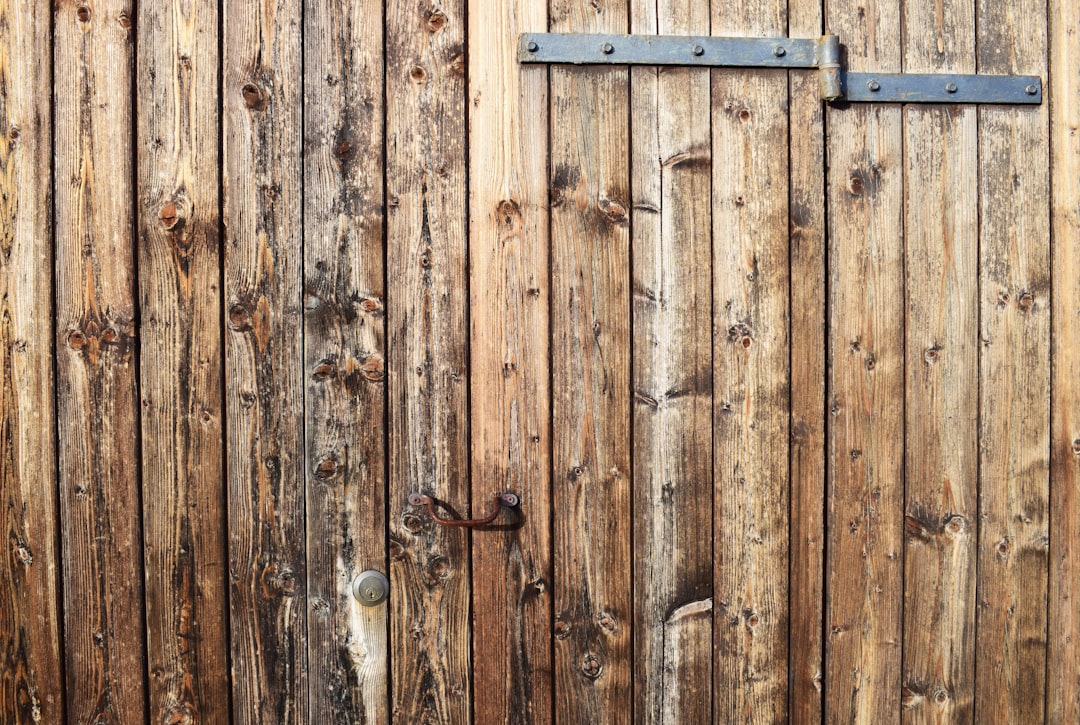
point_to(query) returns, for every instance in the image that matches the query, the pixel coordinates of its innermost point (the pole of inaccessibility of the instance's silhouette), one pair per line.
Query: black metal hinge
(822, 54)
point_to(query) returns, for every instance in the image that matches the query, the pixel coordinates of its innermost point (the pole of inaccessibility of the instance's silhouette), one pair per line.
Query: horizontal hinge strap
(941, 88)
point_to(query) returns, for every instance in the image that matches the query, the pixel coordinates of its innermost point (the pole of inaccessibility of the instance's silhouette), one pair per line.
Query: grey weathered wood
(428, 356)
(866, 382)
(31, 669)
(590, 343)
(672, 382)
(941, 351)
(1014, 360)
(509, 359)
(262, 134)
(180, 363)
(96, 338)
(1063, 660)
(344, 358)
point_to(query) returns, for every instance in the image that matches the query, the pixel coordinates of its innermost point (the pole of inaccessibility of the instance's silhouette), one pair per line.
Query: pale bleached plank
(31, 677)
(1014, 360)
(262, 133)
(344, 351)
(509, 358)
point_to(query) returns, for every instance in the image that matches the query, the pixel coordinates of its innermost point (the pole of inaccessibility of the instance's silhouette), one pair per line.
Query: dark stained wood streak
(31, 669)
(344, 358)
(96, 339)
(428, 358)
(181, 387)
(261, 96)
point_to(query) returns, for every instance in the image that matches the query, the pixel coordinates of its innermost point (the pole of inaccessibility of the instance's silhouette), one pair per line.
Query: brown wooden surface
(31, 670)
(428, 352)
(180, 363)
(1063, 657)
(262, 133)
(866, 382)
(590, 369)
(96, 340)
(671, 258)
(344, 358)
(1014, 360)
(941, 366)
(509, 349)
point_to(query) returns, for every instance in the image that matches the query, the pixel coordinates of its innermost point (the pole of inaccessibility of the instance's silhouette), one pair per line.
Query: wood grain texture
(806, 454)
(96, 339)
(672, 382)
(509, 357)
(180, 362)
(751, 376)
(1063, 662)
(590, 342)
(428, 353)
(344, 358)
(941, 374)
(866, 382)
(261, 115)
(1014, 360)
(31, 669)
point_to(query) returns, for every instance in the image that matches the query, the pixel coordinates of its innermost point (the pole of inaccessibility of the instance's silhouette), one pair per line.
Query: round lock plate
(371, 588)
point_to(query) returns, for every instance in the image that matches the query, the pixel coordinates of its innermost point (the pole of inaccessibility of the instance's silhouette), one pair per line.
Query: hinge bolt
(1031, 90)
(950, 88)
(779, 51)
(697, 50)
(607, 48)
(532, 46)
(874, 86)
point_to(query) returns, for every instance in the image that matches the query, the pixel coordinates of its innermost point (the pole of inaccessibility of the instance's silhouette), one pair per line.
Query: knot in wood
(1026, 301)
(373, 369)
(436, 20)
(606, 622)
(591, 666)
(418, 74)
(76, 340)
(326, 468)
(82, 12)
(561, 628)
(254, 98)
(324, 371)
(613, 211)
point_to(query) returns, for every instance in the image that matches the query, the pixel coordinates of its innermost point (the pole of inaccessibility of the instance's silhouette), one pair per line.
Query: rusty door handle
(508, 500)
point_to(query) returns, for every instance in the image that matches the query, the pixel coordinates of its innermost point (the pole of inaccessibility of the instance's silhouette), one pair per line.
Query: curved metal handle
(509, 500)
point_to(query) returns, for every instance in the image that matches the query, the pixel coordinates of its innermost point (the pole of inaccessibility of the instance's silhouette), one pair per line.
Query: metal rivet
(371, 588)
(532, 47)
(697, 50)
(950, 88)
(1031, 90)
(779, 51)
(607, 48)
(874, 86)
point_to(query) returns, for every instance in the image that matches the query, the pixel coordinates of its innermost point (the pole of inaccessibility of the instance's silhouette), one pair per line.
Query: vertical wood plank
(261, 98)
(344, 333)
(97, 407)
(866, 381)
(941, 373)
(672, 376)
(590, 342)
(1014, 425)
(428, 353)
(31, 671)
(751, 359)
(180, 308)
(806, 456)
(1063, 666)
(509, 353)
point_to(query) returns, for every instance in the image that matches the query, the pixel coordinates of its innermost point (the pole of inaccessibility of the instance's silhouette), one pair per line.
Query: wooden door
(787, 390)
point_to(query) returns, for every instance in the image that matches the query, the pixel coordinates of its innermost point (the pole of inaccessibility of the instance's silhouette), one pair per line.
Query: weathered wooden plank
(31, 671)
(806, 455)
(428, 353)
(344, 333)
(509, 357)
(180, 362)
(751, 375)
(866, 382)
(1014, 421)
(941, 380)
(1063, 666)
(672, 376)
(590, 343)
(96, 338)
(261, 98)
